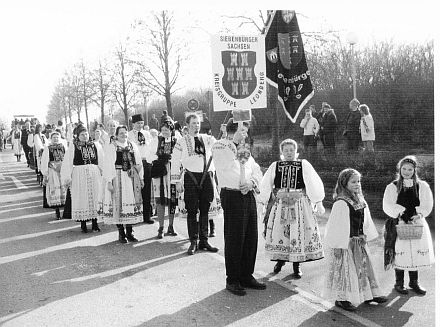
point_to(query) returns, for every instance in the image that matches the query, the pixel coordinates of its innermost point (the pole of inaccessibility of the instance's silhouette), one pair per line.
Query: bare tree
(101, 81)
(85, 87)
(165, 56)
(125, 82)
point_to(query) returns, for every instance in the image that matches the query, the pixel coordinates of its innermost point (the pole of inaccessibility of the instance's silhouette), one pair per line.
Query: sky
(42, 39)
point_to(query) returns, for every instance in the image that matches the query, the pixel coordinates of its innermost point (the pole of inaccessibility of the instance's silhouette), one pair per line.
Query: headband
(409, 160)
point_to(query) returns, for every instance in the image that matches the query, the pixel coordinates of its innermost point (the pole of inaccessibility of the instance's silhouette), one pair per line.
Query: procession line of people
(118, 179)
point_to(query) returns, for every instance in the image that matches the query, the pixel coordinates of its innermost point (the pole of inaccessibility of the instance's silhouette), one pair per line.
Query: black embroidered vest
(356, 218)
(408, 198)
(289, 174)
(85, 153)
(125, 157)
(56, 152)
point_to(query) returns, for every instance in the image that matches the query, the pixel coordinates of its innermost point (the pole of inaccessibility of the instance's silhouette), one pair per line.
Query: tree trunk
(168, 101)
(102, 110)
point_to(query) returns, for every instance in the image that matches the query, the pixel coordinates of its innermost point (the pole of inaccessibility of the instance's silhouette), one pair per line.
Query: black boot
(171, 231)
(121, 233)
(399, 287)
(95, 226)
(211, 228)
(57, 212)
(278, 266)
(84, 227)
(160, 232)
(297, 273)
(206, 246)
(130, 237)
(414, 283)
(192, 248)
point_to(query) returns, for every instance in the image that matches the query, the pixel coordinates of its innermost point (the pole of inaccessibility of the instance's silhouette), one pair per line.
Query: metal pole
(353, 70)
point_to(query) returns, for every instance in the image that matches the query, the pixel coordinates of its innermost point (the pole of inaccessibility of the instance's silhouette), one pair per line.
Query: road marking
(26, 236)
(314, 300)
(17, 204)
(34, 215)
(117, 271)
(59, 221)
(2, 177)
(17, 183)
(21, 208)
(15, 188)
(389, 304)
(41, 273)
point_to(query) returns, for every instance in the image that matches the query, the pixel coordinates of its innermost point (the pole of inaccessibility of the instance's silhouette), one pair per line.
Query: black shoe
(235, 288)
(149, 221)
(95, 226)
(122, 240)
(297, 273)
(160, 233)
(192, 248)
(131, 238)
(377, 299)
(417, 288)
(171, 231)
(346, 305)
(278, 266)
(206, 246)
(401, 289)
(84, 227)
(254, 284)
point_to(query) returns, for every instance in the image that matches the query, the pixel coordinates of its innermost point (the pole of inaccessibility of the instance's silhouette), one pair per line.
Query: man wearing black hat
(142, 139)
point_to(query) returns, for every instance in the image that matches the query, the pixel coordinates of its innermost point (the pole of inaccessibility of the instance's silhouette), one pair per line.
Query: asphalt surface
(51, 274)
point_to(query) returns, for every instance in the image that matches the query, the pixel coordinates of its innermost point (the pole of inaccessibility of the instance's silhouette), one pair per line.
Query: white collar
(408, 182)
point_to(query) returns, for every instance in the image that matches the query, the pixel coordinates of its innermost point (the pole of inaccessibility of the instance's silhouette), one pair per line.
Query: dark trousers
(26, 150)
(352, 141)
(197, 201)
(146, 191)
(240, 233)
(400, 275)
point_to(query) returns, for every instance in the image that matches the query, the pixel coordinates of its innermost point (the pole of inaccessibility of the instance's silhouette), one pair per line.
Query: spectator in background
(154, 123)
(311, 129)
(329, 124)
(205, 125)
(165, 117)
(351, 129)
(367, 128)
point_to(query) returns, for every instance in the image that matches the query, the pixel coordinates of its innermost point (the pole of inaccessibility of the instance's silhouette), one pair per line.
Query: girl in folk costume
(16, 142)
(39, 143)
(350, 278)
(164, 193)
(51, 161)
(292, 232)
(408, 200)
(81, 172)
(123, 179)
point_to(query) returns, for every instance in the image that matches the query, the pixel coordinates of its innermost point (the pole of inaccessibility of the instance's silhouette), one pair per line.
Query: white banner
(238, 72)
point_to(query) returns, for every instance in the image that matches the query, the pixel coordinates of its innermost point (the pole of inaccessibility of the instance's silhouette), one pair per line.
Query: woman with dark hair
(123, 180)
(165, 196)
(81, 170)
(51, 162)
(408, 200)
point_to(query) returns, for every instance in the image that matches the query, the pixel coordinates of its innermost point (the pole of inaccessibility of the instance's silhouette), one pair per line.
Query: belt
(230, 189)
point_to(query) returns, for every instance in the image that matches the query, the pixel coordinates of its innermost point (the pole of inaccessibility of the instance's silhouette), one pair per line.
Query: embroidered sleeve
(176, 160)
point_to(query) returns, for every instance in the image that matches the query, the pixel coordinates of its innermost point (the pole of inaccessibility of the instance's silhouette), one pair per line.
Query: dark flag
(286, 66)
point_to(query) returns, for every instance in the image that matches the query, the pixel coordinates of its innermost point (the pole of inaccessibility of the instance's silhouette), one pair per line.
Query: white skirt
(17, 147)
(415, 254)
(86, 192)
(293, 233)
(55, 190)
(120, 206)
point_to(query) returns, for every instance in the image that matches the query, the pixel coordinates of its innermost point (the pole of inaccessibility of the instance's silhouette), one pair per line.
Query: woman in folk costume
(16, 142)
(39, 143)
(51, 162)
(123, 185)
(81, 169)
(350, 278)
(164, 193)
(292, 232)
(408, 200)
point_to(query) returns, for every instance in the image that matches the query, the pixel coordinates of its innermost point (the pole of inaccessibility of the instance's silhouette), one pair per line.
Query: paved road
(53, 275)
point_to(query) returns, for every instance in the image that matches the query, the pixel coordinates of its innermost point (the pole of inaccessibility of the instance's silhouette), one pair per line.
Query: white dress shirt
(184, 155)
(144, 149)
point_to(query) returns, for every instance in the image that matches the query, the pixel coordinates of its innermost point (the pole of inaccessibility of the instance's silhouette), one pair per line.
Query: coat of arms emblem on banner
(239, 79)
